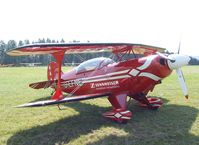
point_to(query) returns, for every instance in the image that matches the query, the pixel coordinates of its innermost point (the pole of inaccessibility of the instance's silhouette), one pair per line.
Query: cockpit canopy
(94, 64)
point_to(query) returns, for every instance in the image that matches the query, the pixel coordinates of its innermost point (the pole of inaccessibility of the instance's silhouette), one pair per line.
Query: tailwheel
(153, 103)
(118, 115)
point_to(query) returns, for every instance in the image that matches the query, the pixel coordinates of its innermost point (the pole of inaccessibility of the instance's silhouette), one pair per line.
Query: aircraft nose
(178, 60)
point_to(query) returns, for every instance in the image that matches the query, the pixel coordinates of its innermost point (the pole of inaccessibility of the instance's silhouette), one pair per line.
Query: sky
(162, 23)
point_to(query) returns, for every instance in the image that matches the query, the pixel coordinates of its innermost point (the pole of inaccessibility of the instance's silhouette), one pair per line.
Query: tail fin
(52, 72)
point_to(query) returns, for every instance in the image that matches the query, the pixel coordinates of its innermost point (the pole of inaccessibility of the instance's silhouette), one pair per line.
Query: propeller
(181, 77)
(175, 62)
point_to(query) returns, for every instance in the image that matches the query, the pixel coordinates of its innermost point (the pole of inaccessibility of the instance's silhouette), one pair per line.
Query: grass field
(176, 123)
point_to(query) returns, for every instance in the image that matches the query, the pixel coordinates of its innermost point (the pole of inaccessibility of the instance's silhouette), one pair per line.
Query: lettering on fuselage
(104, 85)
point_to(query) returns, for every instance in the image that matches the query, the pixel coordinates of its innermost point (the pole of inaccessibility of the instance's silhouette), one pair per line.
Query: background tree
(26, 42)
(8, 59)
(194, 61)
(48, 40)
(20, 43)
(62, 41)
(2, 51)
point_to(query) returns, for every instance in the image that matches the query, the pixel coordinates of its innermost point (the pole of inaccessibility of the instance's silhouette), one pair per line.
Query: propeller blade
(182, 82)
(165, 57)
(179, 47)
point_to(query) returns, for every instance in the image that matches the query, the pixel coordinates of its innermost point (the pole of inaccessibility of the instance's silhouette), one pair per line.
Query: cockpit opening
(93, 64)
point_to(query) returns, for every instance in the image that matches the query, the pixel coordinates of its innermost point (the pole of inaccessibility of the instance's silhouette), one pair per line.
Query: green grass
(176, 123)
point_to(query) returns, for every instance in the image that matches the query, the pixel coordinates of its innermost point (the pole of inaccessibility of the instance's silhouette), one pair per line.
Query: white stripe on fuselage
(147, 63)
(106, 79)
(150, 75)
(106, 75)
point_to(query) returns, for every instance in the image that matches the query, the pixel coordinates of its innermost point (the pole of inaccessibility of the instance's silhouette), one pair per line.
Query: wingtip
(37, 104)
(20, 106)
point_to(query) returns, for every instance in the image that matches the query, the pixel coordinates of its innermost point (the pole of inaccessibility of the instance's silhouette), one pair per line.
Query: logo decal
(105, 84)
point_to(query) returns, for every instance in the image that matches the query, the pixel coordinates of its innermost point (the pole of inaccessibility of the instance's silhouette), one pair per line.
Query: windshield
(94, 64)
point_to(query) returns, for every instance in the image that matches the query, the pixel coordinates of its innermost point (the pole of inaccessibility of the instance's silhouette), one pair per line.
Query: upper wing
(67, 99)
(82, 48)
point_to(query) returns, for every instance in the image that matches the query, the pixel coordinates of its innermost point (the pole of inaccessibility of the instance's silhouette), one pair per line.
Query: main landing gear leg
(119, 113)
(149, 102)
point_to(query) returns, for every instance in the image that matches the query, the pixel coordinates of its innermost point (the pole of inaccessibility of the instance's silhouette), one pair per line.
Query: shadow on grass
(169, 125)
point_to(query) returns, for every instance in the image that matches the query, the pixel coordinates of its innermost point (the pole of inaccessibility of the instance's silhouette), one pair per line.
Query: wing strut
(58, 57)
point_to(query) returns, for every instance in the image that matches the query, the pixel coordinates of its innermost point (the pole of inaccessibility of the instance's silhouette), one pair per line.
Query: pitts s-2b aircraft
(101, 77)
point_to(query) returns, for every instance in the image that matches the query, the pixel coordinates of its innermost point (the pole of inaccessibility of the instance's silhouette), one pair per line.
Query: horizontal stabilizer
(40, 85)
(67, 99)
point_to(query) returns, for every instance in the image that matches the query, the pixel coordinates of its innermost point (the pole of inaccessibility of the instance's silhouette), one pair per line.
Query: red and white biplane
(102, 76)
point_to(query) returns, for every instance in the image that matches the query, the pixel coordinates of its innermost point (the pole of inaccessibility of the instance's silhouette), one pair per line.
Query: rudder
(52, 72)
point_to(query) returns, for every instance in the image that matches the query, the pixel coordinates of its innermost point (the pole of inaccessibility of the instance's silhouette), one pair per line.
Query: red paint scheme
(133, 78)
(131, 85)
(136, 87)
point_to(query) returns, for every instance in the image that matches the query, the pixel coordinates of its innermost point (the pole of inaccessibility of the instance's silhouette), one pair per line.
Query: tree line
(45, 59)
(194, 61)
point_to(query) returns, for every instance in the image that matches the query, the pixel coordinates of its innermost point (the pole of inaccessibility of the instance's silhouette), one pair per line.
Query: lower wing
(67, 99)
